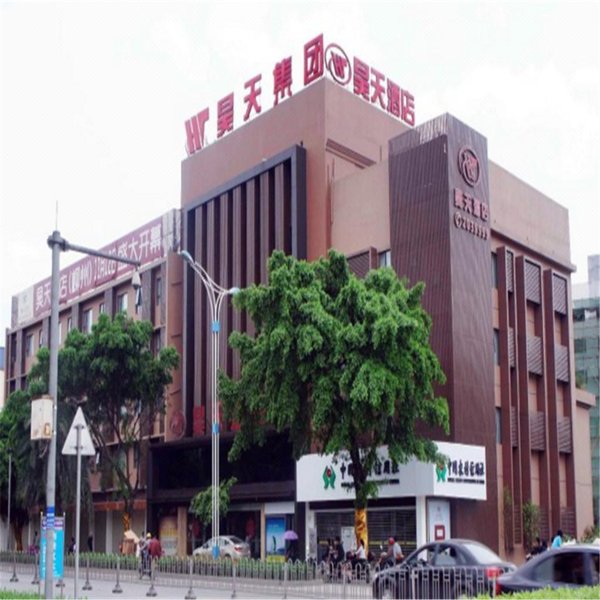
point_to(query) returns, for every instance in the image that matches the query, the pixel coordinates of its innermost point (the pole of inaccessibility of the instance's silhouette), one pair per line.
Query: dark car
(452, 568)
(568, 566)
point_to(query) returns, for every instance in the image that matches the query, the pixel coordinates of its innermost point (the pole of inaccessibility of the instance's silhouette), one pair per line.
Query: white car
(230, 546)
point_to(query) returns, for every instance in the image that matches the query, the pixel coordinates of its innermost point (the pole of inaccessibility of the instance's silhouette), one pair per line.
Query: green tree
(343, 364)
(201, 504)
(28, 488)
(531, 523)
(122, 384)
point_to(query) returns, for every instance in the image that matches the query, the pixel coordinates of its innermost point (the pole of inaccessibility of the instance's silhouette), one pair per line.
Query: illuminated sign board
(327, 477)
(319, 60)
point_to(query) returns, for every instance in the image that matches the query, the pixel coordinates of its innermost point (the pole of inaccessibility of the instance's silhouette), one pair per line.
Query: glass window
(494, 270)
(159, 291)
(482, 554)
(595, 556)
(498, 425)
(101, 308)
(385, 258)
(446, 556)
(568, 567)
(40, 339)
(122, 302)
(88, 317)
(69, 324)
(29, 344)
(496, 347)
(580, 345)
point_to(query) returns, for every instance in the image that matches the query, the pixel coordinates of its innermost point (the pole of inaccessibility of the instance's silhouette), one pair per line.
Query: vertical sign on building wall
(440, 234)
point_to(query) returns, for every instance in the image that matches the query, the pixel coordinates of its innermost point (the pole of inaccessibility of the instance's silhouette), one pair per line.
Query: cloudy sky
(94, 97)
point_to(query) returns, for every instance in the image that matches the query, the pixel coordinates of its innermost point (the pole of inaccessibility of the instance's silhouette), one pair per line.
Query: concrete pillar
(421, 518)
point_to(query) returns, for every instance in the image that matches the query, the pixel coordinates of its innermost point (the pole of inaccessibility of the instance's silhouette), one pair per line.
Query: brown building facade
(325, 169)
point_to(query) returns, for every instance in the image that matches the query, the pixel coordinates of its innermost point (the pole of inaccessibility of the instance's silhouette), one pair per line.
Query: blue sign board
(58, 560)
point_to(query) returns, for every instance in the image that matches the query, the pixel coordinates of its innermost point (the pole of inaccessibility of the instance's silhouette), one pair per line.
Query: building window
(29, 344)
(40, 338)
(496, 347)
(88, 316)
(122, 302)
(580, 345)
(101, 308)
(59, 332)
(385, 258)
(581, 379)
(69, 324)
(159, 291)
(498, 425)
(494, 270)
(156, 343)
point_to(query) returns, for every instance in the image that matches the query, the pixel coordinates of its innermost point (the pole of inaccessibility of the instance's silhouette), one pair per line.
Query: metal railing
(291, 579)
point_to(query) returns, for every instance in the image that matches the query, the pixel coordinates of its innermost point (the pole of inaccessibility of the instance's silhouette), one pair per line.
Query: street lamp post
(9, 496)
(58, 244)
(216, 294)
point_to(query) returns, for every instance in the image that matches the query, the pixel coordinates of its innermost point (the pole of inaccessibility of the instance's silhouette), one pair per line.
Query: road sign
(86, 444)
(59, 546)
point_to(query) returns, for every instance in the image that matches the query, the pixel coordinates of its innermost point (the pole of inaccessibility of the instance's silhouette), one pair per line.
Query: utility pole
(58, 244)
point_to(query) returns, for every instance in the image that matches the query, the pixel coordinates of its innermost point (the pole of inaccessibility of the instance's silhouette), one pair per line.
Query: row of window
(87, 320)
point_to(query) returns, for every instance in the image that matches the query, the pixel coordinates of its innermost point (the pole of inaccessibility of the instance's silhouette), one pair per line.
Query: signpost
(57, 524)
(78, 442)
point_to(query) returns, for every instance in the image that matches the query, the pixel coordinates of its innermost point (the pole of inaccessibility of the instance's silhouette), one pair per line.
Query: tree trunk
(18, 531)
(360, 527)
(126, 518)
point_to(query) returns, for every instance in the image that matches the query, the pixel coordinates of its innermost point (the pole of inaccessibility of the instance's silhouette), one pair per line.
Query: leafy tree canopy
(201, 504)
(114, 371)
(342, 363)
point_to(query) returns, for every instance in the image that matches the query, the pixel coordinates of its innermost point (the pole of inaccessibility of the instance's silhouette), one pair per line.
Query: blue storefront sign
(58, 563)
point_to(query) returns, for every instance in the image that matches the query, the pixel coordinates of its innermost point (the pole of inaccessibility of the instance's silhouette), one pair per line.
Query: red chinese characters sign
(144, 244)
(319, 60)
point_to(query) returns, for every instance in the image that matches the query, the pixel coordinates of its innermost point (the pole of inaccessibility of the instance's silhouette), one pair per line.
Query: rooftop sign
(318, 60)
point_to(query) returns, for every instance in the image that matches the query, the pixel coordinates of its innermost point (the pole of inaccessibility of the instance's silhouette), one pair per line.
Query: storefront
(413, 504)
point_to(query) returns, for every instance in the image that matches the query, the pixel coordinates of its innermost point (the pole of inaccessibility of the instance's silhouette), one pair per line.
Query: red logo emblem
(337, 63)
(468, 165)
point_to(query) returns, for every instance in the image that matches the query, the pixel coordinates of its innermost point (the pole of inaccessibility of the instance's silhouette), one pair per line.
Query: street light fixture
(58, 244)
(216, 294)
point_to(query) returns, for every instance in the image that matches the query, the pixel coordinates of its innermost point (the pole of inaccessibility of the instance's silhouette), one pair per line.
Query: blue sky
(95, 95)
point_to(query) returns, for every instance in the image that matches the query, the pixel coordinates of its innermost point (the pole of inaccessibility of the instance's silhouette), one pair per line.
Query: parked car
(568, 566)
(230, 546)
(452, 568)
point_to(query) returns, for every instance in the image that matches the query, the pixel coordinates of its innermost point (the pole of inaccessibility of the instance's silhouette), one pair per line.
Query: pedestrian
(154, 548)
(558, 539)
(394, 554)
(72, 546)
(339, 555)
(142, 551)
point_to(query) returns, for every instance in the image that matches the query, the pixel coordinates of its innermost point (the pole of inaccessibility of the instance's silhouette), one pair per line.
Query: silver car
(230, 546)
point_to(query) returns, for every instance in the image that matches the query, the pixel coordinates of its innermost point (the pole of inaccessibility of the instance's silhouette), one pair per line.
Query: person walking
(558, 539)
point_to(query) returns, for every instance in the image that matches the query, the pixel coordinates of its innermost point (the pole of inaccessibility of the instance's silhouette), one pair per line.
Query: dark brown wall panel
(440, 233)
(232, 232)
(267, 222)
(559, 292)
(239, 262)
(532, 282)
